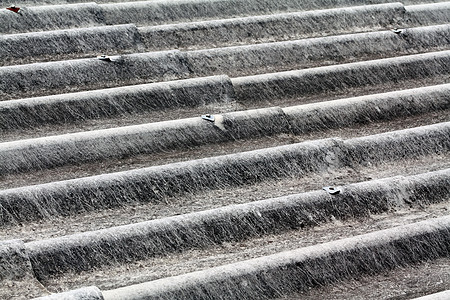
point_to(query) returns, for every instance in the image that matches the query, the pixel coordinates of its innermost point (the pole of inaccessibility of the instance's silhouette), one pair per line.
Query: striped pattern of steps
(224, 149)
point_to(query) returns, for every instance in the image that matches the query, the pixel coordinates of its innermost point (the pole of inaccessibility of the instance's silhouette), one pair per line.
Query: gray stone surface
(366, 109)
(289, 55)
(160, 11)
(233, 223)
(108, 103)
(233, 61)
(158, 182)
(91, 73)
(14, 261)
(77, 148)
(438, 296)
(428, 14)
(61, 43)
(88, 293)
(182, 190)
(272, 276)
(302, 83)
(40, 18)
(275, 27)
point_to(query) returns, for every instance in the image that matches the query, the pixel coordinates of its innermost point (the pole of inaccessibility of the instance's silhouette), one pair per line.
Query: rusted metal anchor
(15, 9)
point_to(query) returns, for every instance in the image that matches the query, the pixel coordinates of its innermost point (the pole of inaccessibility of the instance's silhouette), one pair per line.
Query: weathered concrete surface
(323, 3)
(233, 223)
(17, 280)
(302, 83)
(151, 184)
(14, 261)
(39, 18)
(88, 293)
(78, 148)
(62, 16)
(275, 27)
(234, 61)
(158, 182)
(63, 44)
(160, 11)
(433, 276)
(108, 103)
(46, 78)
(288, 26)
(438, 296)
(272, 276)
(366, 109)
(428, 14)
(289, 55)
(214, 181)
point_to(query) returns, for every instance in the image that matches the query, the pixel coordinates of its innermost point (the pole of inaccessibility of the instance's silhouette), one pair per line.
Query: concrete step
(428, 14)
(101, 145)
(154, 184)
(284, 273)
(64, 44)
(52, 77)
(147, 13)
(328, 127)
(117, 245)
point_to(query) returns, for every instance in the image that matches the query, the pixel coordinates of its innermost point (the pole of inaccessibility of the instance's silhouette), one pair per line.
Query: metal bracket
(208, 117)
(401, 32)
(107, 58)
(331, 190)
